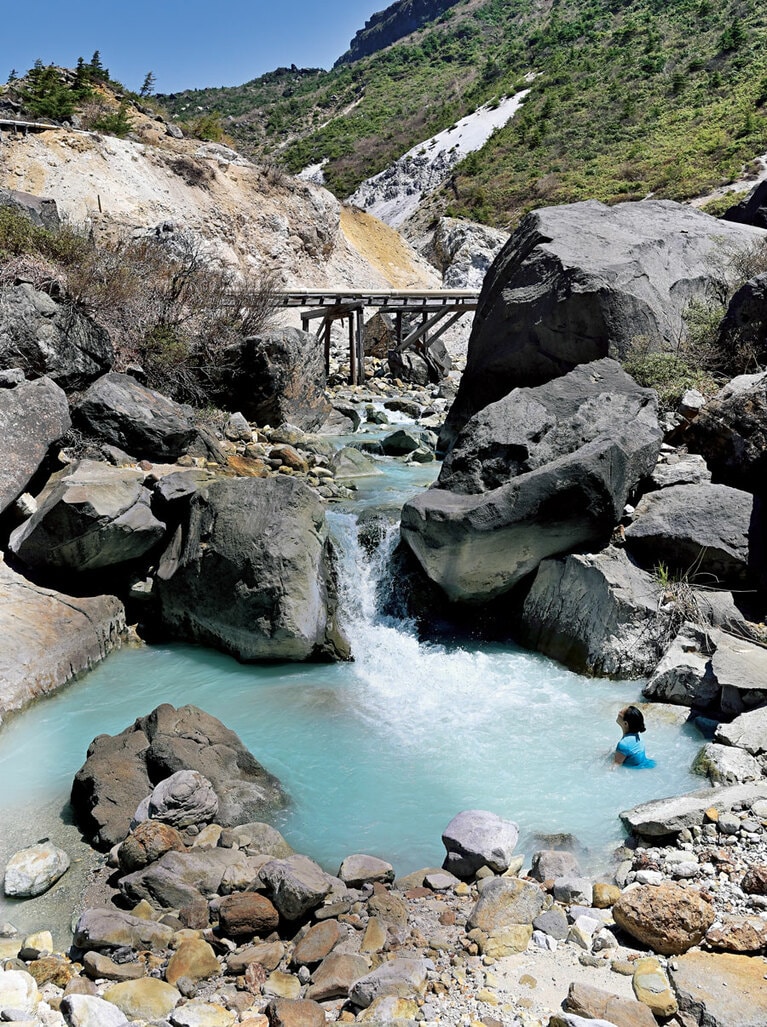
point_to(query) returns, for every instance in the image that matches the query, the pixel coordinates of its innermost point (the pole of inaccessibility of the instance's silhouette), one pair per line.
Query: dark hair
(634, 720)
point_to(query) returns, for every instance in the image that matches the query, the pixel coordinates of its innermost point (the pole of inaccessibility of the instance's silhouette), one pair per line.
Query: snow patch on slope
(395, 193)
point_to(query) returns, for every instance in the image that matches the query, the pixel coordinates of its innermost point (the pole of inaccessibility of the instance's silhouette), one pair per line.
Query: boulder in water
(122, 770)
(541, 472)
(476, 838)
(250, 573)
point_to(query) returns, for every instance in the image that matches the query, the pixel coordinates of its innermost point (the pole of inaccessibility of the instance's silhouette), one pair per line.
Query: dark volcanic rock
(123, 413)
(280, 377)
(249, 573)
(394, 22)
(547, 471)
(581, 281)
(93, 516)
(598, 614)
(752, 210)
(44, 337)
(41, 210)
(33, 416)
(121, 770)
(731, 433)
(700, 530)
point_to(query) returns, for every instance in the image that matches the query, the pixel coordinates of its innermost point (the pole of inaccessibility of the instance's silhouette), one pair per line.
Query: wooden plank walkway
(6, 124)
(432, 305)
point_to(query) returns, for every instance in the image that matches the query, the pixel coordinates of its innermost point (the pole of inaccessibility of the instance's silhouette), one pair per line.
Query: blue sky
(186, 44)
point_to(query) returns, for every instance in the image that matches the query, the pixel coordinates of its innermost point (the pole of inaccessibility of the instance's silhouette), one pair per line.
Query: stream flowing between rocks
(378, 754)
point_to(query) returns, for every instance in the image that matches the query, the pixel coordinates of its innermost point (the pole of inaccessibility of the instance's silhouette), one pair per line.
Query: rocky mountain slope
(627, 101)
(258, 219)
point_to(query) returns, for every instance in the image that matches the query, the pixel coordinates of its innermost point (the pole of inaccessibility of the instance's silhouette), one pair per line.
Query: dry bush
(194, 172)
(174, 309)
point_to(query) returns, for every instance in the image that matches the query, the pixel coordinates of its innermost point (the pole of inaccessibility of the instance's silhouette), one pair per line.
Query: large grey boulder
(101, 929)
(90, 516)
(50, 638)
(44, 337)
(701, 531)
(280, 377)
(748, 731)
(543, 471)
(249, 573)
(752, 210)
(403, 976)
(186, 797)
(744, 328)
(581, 281)
(726, 765)
(40, 210)
(684, 676)
(122, 770)
(731, 433)
(662, 817)
(296, 885)
(598, 614)
(120, 411)
(179, 878)
(475, 838)
(711, 669)
(33, 416)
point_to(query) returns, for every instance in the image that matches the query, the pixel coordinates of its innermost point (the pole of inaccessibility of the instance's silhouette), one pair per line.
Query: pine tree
(12, 76)
(81, 87)
(148, 85)
(47, 95)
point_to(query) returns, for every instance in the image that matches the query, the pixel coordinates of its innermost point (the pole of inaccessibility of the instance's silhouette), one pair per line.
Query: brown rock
(146, 844)
(374, 938)
(755, 881)
(52, 970)
(146, 999)
(267, 954)
(194, 959)
(81, 986)
(100, 967)
(721, 990)
(651, 986)
(738, 934)
(336, 975)
(195, 915)
(290, 457)
(283, 1012)
(595, 1004)
(317, 943)
(605, 895)
(247, 913)
(504, 901)
(388, 907)
(668, 918)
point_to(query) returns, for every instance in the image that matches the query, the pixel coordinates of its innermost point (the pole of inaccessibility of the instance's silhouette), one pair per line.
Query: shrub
(671, 375)
(18, 235)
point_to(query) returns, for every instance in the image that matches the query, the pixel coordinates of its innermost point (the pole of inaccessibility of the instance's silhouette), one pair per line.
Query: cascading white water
(378, 754)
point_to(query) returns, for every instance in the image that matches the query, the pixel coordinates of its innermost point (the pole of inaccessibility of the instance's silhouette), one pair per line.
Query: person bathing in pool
(629, 752)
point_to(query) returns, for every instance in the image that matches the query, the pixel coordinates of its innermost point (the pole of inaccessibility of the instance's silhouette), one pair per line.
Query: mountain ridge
(630, 99)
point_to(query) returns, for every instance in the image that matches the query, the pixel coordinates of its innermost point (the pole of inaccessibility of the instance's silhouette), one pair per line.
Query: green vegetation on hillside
(631, 97)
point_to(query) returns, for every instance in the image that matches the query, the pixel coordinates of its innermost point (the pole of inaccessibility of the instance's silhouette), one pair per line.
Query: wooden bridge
(22, 127)
(436, 310)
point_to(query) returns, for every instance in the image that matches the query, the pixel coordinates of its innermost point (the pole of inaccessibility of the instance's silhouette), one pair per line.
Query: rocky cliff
(393, 23)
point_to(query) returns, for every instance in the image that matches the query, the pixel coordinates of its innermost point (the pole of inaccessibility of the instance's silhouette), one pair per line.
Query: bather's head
(631, 720)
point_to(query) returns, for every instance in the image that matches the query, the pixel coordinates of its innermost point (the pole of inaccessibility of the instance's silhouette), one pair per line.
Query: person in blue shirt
(629, 751)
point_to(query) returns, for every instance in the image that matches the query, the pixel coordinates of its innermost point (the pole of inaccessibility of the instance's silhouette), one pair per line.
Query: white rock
(90, 1011)
(649, 877)
(202, 1014)
(18, 990)
(34, 870)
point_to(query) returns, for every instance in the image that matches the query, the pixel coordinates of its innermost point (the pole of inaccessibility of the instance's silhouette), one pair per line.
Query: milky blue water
(377, 755)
